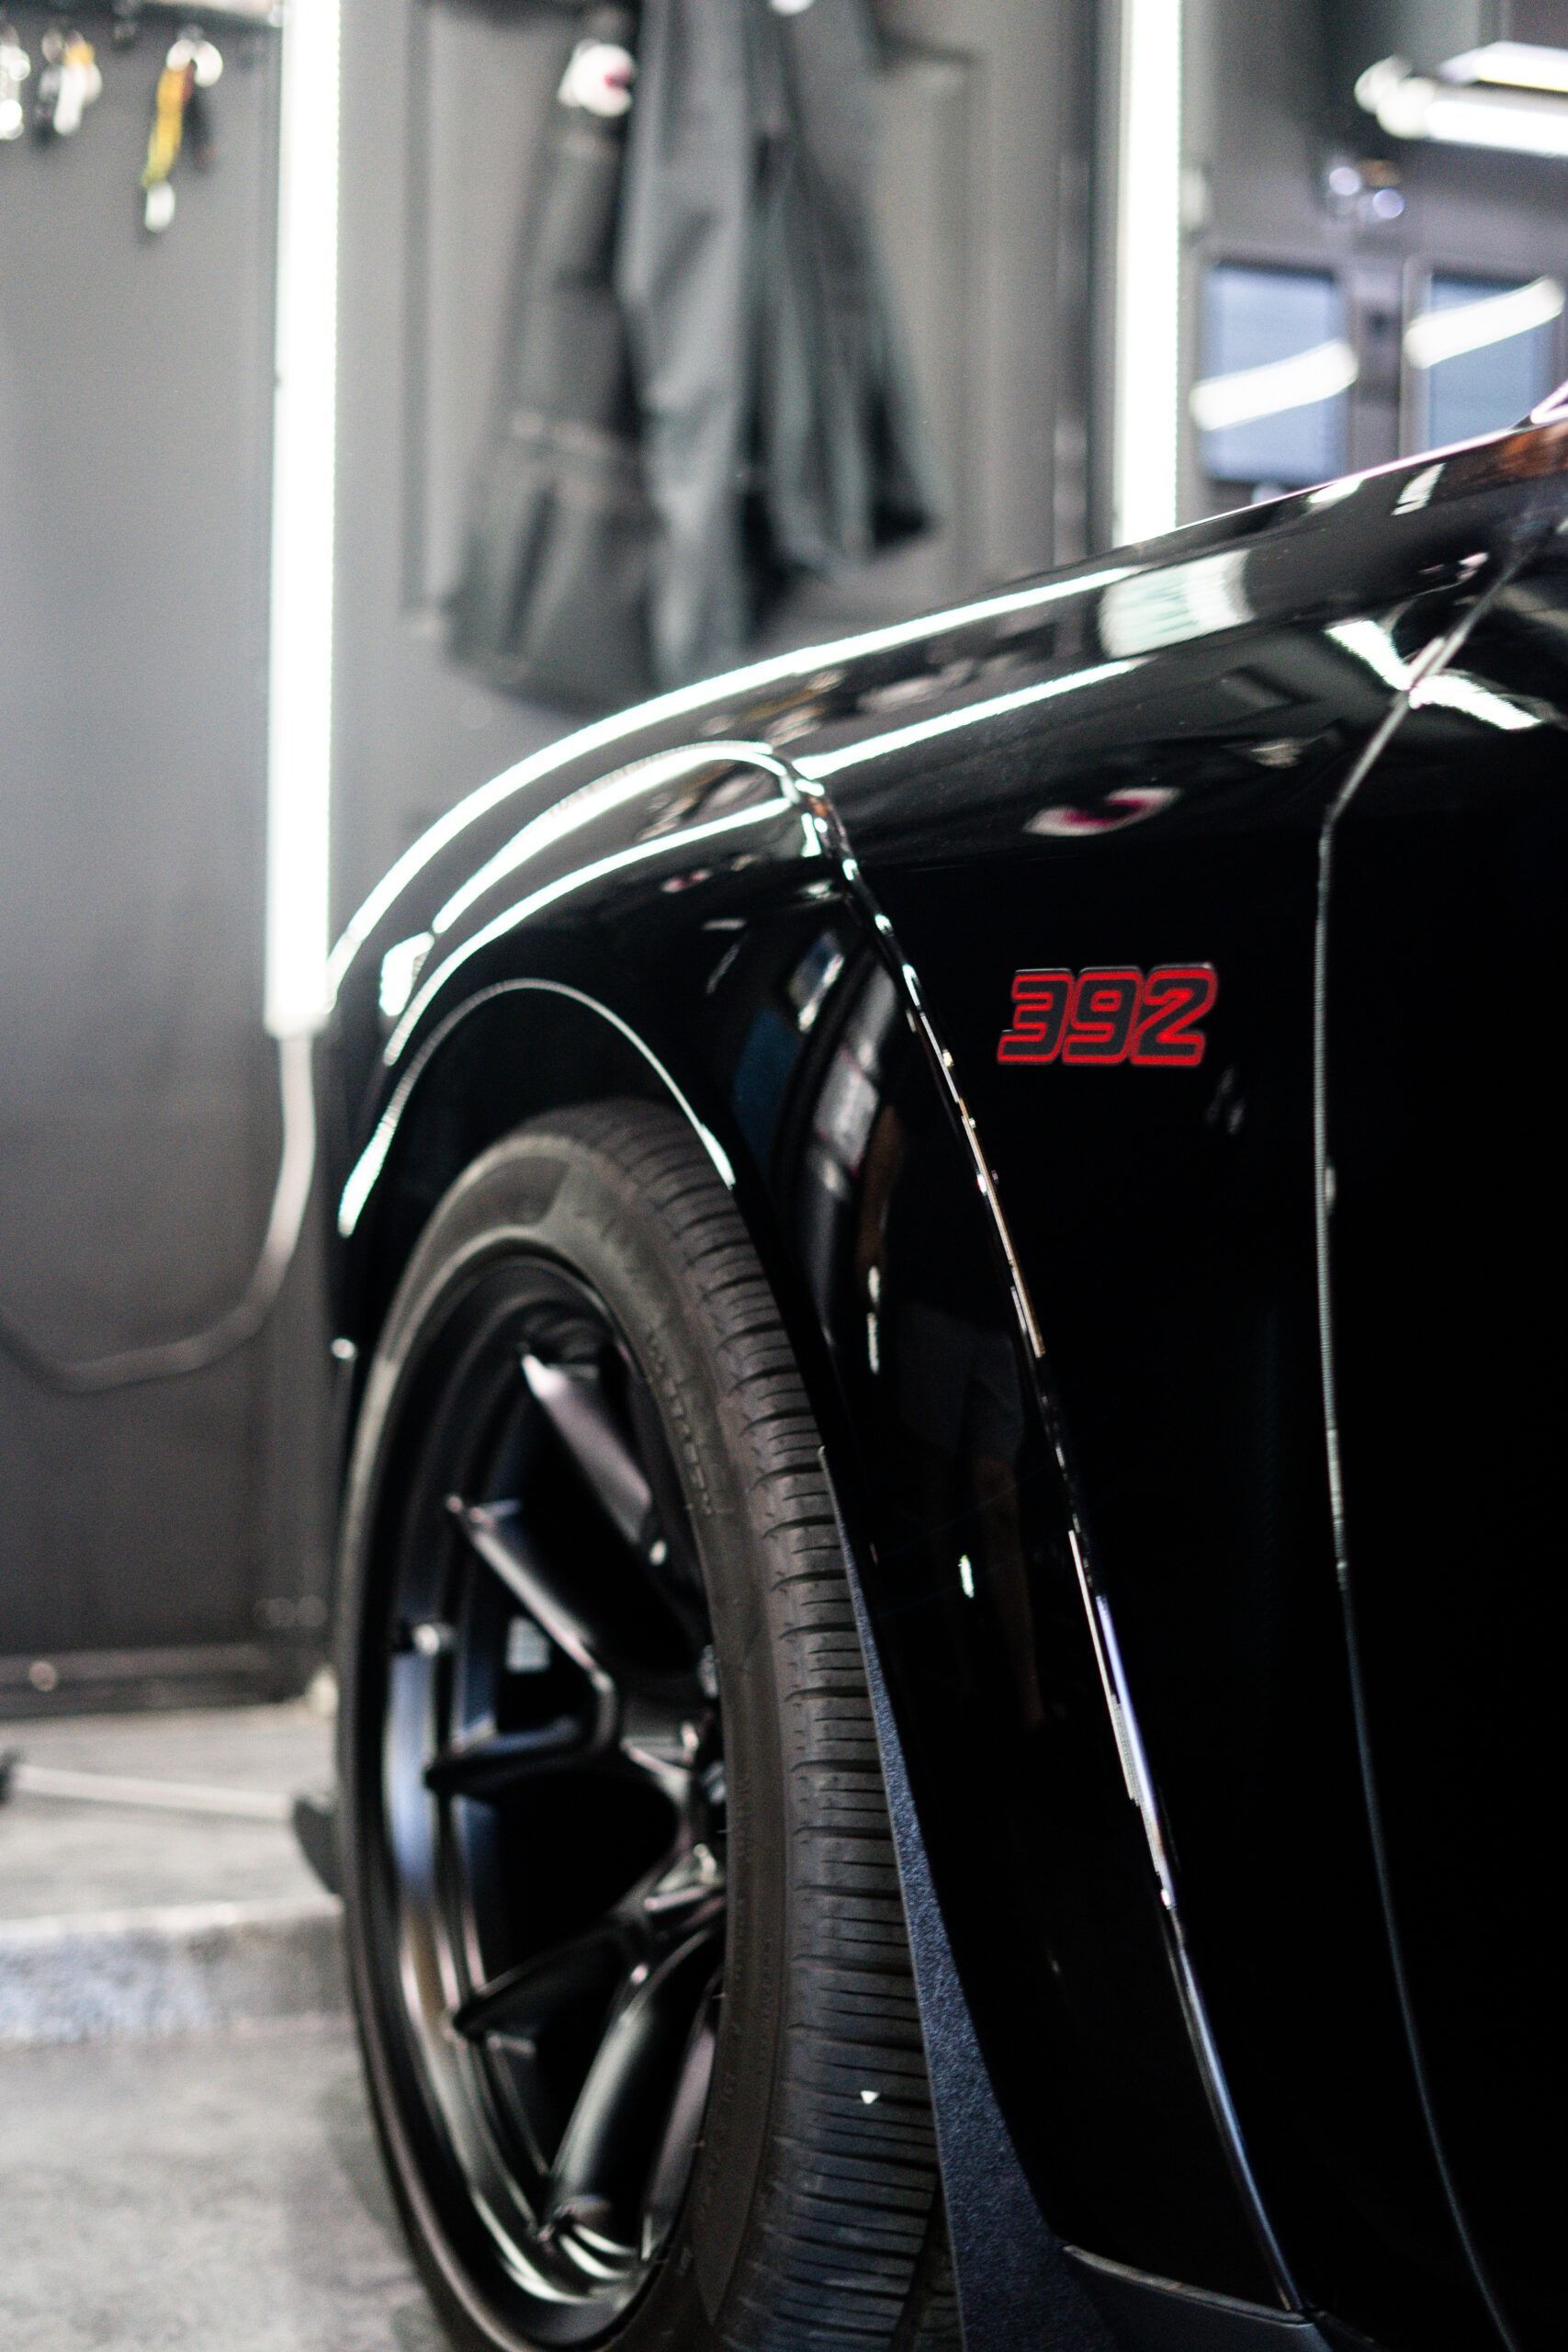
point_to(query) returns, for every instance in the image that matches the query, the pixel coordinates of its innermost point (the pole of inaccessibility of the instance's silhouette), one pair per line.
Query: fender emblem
(1111, 1013)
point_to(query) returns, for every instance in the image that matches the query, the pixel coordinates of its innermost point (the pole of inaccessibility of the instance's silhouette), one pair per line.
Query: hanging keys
(80, 83)
(180, 122)
(15, 67)
(170, 99)
(68, 82)
(46, 89)
(598, 78)
(207, 67)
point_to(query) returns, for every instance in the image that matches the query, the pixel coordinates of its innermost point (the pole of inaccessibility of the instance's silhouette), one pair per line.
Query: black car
(953, 1280)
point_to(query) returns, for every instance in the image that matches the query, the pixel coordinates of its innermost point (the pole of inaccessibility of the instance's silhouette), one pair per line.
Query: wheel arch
(525, 1047)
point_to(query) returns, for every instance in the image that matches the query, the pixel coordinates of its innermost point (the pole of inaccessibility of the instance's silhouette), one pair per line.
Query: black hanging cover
(554, 598)
(705, 393)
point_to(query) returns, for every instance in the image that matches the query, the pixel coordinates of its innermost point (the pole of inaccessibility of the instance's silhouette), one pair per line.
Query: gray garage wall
(137, 1121)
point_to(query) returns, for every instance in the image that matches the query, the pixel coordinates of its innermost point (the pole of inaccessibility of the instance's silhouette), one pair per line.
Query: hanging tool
(15, 67)
(180, 122)
(68, 83)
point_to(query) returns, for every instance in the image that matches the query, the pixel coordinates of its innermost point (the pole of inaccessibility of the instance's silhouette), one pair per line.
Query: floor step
(86, 1976)
(151, 1881)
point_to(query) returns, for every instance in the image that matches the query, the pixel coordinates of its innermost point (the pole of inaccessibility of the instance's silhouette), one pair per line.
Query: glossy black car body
(1195, 1426)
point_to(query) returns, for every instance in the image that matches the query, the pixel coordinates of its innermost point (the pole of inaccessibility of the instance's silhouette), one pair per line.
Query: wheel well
(525, 1051)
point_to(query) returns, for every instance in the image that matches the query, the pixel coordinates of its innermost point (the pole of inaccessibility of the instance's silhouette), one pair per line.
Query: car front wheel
(627, 1945)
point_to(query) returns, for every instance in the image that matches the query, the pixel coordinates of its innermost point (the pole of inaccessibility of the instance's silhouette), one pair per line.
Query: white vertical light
(1148, 390)
(300, 690)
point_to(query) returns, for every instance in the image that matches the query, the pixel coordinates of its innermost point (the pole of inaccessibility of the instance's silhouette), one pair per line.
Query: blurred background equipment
(1364, 275)
(1471, 72)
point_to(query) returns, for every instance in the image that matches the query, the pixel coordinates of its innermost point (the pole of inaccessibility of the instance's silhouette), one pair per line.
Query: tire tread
(850, 2253)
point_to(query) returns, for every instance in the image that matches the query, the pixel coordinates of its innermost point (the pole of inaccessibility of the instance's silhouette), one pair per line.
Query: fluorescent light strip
(644, 718)
(1173, 606)
(562, 887)
(1447, 689)
(1145, 443)
(925, 730)
(300, 682)
(1373, 645)
(590, 801)
(1520, 126)
(1412, 106)
(1249, 393)
(1521, 65)
(1438, 335)
(1451, 690)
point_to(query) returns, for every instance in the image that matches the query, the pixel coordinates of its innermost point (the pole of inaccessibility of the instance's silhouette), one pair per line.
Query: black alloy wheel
(552, 1698)
(626, 1939)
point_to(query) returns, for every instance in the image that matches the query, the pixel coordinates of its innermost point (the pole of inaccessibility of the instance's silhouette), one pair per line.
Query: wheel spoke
(498, 1539)
(521, 2001)
(681, 2132)
(574, 1404)
(612, 1663)
(681, 1900)
(622, 2118)
(487, 1764)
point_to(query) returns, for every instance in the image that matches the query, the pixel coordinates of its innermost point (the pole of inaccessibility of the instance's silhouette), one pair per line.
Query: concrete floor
(164, 2189)
(58, 1858)
(209, 2193)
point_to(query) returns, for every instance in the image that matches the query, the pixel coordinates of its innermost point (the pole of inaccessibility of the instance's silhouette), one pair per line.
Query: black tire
(811, 2211)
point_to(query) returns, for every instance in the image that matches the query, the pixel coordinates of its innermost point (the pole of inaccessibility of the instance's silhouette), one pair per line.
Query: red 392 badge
(1111, 1013)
